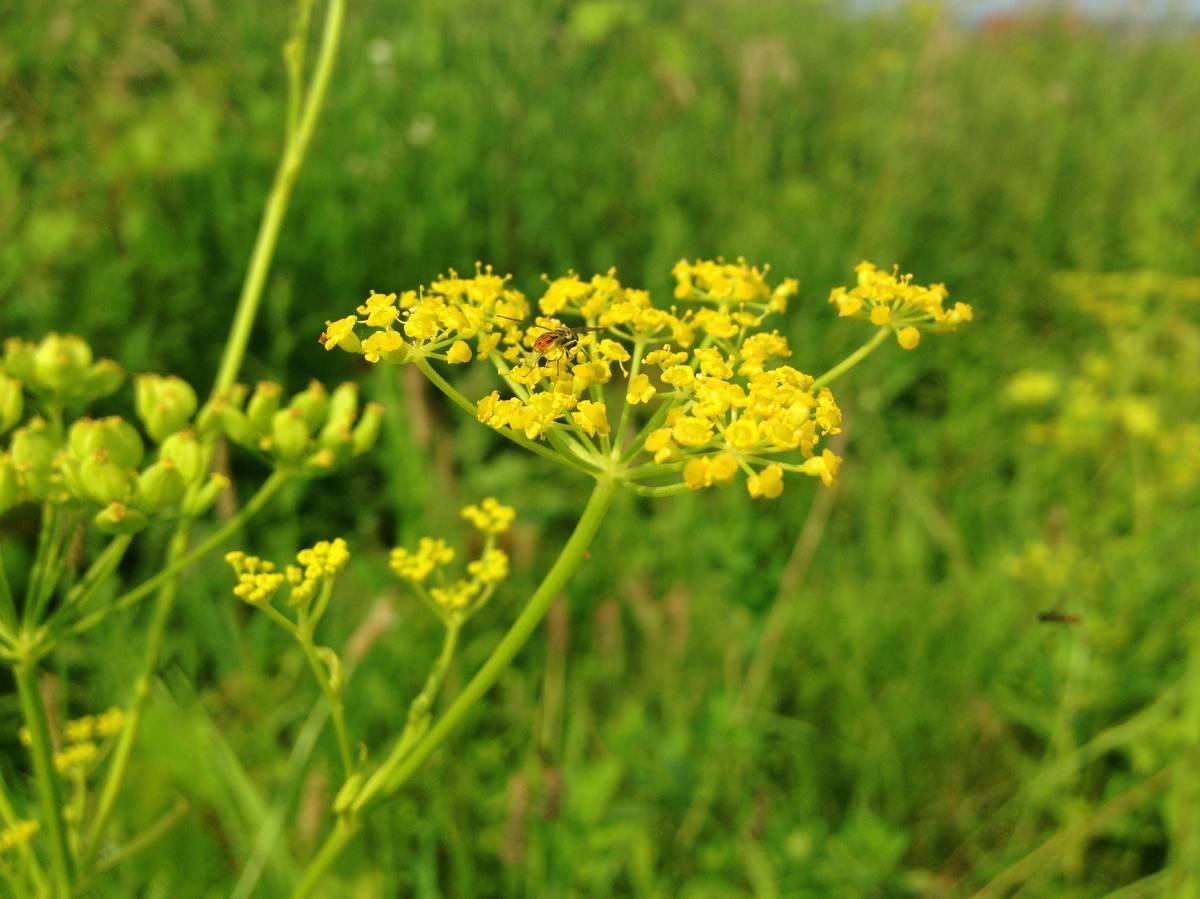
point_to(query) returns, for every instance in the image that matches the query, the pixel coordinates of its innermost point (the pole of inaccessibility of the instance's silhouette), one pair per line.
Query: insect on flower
(563, 338)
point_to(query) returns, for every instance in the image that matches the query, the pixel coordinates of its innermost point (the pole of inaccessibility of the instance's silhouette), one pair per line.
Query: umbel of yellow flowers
(706, 381)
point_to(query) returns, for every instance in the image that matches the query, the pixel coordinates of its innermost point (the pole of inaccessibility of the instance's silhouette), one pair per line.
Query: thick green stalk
(518, 634)
(391, 776)
(277, 201)
(45, 776)
(854, 358)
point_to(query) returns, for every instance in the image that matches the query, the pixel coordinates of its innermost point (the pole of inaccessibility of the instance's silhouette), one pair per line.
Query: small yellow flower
(459, 352)
(592, 417)
(381, 343)
(908, 337)
(640, 390)
(691, 431)
(824, 466)
(341, 333)
(743, 435)
(767, 483)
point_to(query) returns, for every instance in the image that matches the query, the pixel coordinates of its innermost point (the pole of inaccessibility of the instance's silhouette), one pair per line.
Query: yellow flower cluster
(90, 727)
(891, 300)
(718, 392)
(80, 736)
(463, 596)
(17, 834)
(730, 283)
(259, 581)
(490, 517)
(257, 578)
(78, 756)
(416, 566)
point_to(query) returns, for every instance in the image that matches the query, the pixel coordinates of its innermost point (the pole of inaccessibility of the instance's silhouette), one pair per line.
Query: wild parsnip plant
(704, 392)
(595, 378)
(97, 483)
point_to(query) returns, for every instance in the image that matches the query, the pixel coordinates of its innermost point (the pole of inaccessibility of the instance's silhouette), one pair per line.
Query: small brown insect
(1060, 617)
(563, 338)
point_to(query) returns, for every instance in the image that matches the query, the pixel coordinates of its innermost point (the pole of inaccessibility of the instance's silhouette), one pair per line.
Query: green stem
(385, 781)
(342, 833)
(333, 698)
(853, 359)
(277, 201)
(37, 574)
(46, 777)
(657, 492)
(467, 406)
(269, 488)
(635, 368)
(97, 574)
(141, 693)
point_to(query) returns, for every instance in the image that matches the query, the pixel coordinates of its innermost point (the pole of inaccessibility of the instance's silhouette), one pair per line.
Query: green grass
(917, 730)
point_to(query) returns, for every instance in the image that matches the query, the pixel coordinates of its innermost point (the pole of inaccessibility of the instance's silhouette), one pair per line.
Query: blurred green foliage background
(842, 693)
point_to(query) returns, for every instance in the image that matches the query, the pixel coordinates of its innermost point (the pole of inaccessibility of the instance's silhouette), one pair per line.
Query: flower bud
(343, 406)
(68, 469)
(102, 379)
(200, 500)
(264, 403)
(289, 434)
(187, 453)
(314, 403)
(32, 447)
(117, 518)
(235, 425)
(33, 454)
(102, 479)
(12, 402)
(165, 404)
(122, 441)
(10, 488)
(18, 359)
(160, 486)
(85, 437)
(322, 462)
(366, 432)
(61, 361)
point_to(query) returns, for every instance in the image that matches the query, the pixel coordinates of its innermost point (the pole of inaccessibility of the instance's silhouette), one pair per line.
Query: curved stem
(45, 776)
(277, 201)
(334, 700)
(391, 775)
(269, 488)
(853, 359)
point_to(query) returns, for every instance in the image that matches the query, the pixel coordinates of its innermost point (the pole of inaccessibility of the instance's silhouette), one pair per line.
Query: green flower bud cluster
(315, 430)
(99, 461)
(100, 464)
(60, 368)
